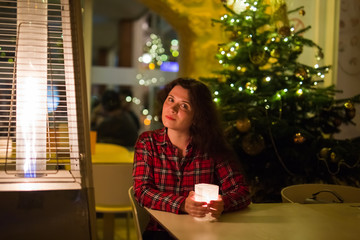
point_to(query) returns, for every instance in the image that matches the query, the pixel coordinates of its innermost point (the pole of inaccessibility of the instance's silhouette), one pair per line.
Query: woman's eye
(170, 99)
(184, 106)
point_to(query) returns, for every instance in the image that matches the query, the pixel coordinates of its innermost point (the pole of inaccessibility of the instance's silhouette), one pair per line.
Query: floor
(120, 228)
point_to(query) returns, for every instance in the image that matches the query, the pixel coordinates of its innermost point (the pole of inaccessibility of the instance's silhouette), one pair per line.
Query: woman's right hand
(193, 208)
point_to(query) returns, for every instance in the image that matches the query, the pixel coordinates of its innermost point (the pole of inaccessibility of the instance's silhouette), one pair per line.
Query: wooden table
(277, 221)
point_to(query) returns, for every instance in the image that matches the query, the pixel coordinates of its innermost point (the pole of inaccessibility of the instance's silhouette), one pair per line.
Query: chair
(320, 193)
(140, 215)
(110, 153)
(111, 182)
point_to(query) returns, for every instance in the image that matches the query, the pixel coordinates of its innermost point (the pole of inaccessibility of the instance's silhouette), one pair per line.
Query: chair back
(111, 182)
(140, 215)
(111, 153)
(320, 193)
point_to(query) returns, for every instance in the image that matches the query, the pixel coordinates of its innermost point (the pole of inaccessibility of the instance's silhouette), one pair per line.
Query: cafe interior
(61, 174)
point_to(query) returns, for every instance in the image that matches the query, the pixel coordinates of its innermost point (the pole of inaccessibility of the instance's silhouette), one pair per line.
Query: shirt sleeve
(145, 190)
(234, 190)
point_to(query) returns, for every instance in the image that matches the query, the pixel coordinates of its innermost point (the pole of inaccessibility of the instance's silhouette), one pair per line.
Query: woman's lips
(170, 118)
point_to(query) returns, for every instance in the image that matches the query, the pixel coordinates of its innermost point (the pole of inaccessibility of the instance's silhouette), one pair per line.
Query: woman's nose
(175, 107)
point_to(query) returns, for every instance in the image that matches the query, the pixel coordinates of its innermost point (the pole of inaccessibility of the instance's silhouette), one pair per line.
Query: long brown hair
(206, 130)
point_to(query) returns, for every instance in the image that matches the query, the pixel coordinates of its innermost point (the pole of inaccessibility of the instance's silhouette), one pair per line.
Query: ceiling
(110, 10)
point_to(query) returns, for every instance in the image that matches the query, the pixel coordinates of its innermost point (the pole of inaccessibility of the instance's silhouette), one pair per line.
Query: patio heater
(46, 187)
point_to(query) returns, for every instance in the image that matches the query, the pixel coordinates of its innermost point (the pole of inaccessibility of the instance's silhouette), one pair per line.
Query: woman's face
(177, 112)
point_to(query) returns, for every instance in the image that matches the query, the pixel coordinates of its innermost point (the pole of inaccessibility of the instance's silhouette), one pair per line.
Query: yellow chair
(320, 193)
(110, 153)
(140, 215)
(112, 177)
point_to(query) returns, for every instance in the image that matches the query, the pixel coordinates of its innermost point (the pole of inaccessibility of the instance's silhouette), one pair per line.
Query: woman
(189, 149)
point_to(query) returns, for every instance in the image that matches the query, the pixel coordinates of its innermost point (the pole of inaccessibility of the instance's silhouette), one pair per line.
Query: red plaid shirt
(163, 180)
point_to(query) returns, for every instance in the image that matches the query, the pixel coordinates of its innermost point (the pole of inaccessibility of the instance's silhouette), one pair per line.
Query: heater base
(36, 215)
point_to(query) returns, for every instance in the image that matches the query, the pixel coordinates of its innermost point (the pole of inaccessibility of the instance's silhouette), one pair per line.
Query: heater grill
(38, 118)
(45, 166)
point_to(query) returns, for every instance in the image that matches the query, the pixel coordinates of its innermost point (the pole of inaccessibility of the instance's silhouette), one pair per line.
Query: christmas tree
(277, 115)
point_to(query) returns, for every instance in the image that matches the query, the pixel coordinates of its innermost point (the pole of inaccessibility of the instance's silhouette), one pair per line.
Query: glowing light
(240, 89)
(316, 66)
(151, 66)
(232, 85)
(286, 39)
(128, 99)
(145, 111)
(268, 79)
(299, 92)
(216, 92)
(146, 58)
(31, 89)
(147, 122)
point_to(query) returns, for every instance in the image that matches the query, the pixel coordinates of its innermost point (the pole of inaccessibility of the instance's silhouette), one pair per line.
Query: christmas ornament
(350, 110)
(301, 73)
(275, 53)
(333, 157)
(243, 125)
(324, 153)
(258, 57)
(263, 28)
(266, 66)
(297, 48)
(253, 144)
(299, 138)
(301, 12)
(284, 31)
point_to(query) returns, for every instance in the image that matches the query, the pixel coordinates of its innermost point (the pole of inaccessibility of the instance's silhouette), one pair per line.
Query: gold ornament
(350, 110)
(258, 57)
(299, 138)
(301, 73)
(302, 12)
(275, 53)
(284, 31)
(263, 28)
(266, 66)
(222, 79)
(333, 157)
(297, 48)
(324, 153)
(253, 144)
(243, 125)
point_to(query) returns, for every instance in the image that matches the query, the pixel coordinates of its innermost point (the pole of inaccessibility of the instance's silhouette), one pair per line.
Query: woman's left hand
(216, 207)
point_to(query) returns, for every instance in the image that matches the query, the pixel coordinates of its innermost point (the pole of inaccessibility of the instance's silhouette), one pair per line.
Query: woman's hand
(193, 208)
(216, 207)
